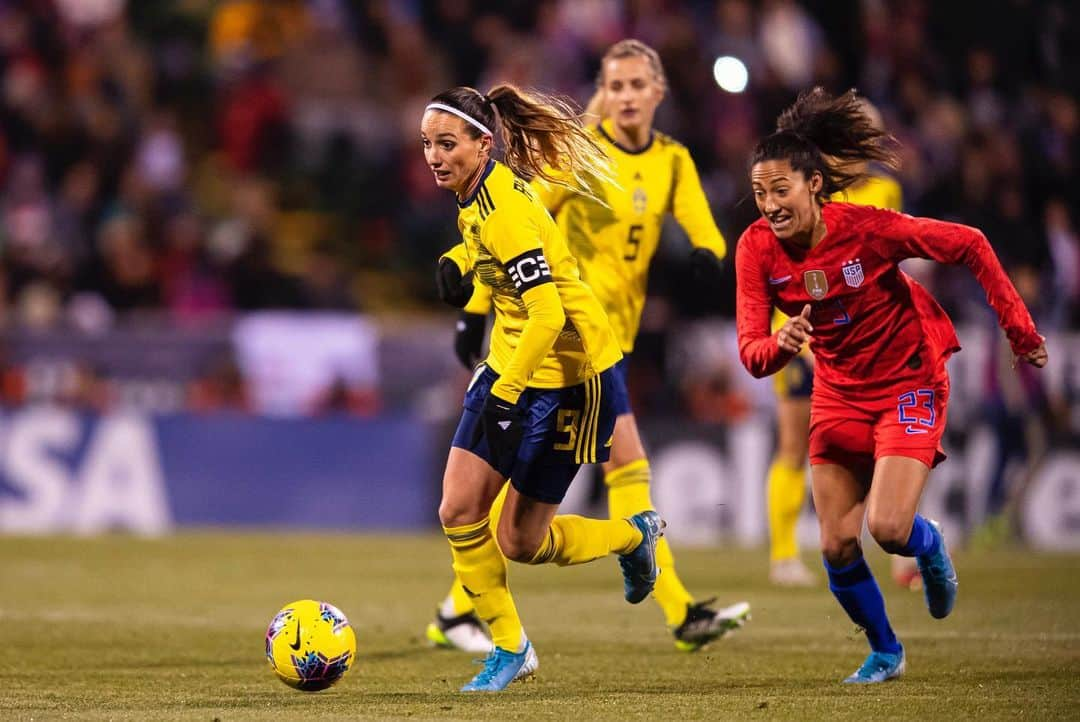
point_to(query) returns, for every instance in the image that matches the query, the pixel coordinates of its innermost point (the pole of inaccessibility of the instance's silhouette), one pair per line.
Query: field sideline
(116, 628)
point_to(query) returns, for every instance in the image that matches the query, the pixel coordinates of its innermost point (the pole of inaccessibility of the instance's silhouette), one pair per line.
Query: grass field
(124, 629)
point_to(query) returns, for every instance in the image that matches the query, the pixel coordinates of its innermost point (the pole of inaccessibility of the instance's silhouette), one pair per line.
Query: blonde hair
(628, 48)
(543, 136)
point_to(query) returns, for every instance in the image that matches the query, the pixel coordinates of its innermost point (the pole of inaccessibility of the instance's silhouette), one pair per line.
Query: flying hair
(833, 135)
(542, 135)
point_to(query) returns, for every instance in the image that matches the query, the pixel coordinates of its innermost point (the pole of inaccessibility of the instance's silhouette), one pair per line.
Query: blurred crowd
(199, 157)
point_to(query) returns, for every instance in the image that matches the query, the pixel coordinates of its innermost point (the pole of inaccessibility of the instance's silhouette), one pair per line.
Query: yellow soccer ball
(310, 645)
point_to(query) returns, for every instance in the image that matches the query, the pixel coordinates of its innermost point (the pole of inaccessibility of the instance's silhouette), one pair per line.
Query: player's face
(786, 197)
(451, 153)
(631, 92)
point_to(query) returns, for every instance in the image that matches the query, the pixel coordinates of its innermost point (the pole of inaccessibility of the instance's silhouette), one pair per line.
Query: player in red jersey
(880, 343)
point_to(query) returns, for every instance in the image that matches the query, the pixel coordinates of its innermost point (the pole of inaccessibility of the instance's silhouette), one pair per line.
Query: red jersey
(874, 326)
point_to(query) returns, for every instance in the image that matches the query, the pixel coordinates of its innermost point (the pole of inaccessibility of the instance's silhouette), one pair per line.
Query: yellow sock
(628, 494)
(573, 539)
(457, 602)
(481, 569)
(786, 494)
(497, 507)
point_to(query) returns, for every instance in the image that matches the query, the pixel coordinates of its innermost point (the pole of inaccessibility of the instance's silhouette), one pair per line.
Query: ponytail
(543, 136)
(834, 136)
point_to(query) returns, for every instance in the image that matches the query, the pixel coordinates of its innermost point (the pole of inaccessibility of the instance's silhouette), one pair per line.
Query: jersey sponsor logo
(521, 187)
(779, 280)
(529, 270)
(853, 273)
(817, 285)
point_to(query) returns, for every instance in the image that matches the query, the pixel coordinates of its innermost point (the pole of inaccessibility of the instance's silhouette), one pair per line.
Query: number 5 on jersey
(633, 243)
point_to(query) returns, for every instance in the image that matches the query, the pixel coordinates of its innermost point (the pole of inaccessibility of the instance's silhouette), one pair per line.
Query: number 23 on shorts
(915, 409)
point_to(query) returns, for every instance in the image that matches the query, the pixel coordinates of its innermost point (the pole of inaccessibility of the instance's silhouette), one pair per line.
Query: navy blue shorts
(622, 394)
(564, 428)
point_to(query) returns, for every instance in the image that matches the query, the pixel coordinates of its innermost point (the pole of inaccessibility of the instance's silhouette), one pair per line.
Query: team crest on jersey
(816, 284)
(853, 273)
(641, 201)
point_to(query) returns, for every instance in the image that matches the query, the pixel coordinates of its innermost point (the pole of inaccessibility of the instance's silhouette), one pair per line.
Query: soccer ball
(310, 645)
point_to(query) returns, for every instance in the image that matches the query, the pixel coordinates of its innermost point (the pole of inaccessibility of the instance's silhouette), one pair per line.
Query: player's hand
(504, 426)
(454, 288)
(469, 338)
(796, 332)
(1036, 357)
(705, 267)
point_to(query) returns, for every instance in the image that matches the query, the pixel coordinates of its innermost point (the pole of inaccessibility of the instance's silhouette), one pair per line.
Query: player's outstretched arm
(956, 243)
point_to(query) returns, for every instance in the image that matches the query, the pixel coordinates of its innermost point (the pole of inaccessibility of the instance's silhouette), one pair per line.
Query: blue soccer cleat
(878, 667)
(939, 577)
(639, 566)
(502, 667)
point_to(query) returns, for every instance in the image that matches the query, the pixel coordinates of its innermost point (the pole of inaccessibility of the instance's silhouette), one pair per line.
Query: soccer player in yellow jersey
(786, 485)
(542, 403)
(613, 231)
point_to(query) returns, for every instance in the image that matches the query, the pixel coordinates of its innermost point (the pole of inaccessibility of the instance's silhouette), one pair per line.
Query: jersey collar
(603, 129)
(479, 185)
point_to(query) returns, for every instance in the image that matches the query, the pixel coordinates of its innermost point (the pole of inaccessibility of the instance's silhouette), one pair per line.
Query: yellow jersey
(615, 243)
(550, 331)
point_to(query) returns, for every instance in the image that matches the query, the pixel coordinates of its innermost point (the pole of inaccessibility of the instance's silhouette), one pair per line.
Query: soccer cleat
(465, 632)
(639, 566)
(704, 624)
(878, 667)
(791, 573)
(939, 577)
(502, 667)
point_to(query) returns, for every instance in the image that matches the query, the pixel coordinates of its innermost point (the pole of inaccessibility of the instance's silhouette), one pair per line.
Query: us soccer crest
(853, 273)
(816, 284)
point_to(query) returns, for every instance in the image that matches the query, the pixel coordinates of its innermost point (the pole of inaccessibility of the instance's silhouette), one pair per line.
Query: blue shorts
(564, 428)
(622, 394)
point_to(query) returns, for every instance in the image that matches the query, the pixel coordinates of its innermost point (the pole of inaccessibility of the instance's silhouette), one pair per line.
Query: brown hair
(541, 133)
(834, 136)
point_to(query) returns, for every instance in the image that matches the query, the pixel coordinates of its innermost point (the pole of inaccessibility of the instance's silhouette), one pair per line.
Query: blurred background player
(613, 232)
(880, 344)
(543, 402)
(786, 486)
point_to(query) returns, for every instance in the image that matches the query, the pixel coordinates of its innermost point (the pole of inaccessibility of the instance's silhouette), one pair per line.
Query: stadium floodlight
(730, 74)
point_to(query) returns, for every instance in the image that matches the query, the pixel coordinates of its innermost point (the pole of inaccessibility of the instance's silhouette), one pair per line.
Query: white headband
(464, 116)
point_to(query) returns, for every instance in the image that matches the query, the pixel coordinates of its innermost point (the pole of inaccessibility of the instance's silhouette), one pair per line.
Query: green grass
(125, 629)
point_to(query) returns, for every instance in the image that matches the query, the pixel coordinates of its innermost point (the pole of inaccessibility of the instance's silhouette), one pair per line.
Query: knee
(890, 531)
(839, 550)
(454, 513)
(516, 546)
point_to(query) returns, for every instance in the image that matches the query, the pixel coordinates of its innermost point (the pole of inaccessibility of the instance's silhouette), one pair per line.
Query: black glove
(454, 289)
(705, 267)
(504, 425)
(469, 338)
